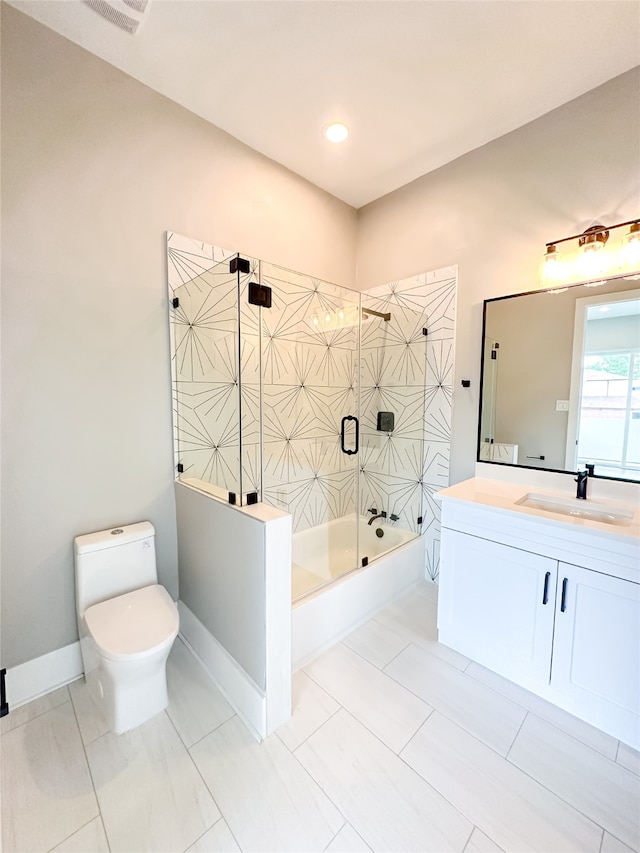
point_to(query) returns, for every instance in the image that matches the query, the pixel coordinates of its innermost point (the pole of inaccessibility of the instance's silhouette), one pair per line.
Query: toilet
(127, 623)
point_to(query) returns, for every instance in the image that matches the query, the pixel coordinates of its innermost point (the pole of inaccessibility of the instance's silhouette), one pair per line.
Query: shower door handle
(342, 428)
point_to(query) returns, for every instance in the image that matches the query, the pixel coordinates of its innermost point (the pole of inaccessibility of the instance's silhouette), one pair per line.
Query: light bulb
(630, 251)
(336, 132)
(593, 258)
(551, 266)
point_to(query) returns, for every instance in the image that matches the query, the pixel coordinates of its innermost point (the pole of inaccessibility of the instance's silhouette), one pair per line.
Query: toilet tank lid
(102, 539)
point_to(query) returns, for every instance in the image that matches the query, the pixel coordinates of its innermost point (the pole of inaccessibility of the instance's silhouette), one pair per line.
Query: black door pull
(342, 429)
(545, 594)
(563, 602)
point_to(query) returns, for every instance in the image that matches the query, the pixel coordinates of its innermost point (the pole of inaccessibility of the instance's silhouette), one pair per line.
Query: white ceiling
(419, 82)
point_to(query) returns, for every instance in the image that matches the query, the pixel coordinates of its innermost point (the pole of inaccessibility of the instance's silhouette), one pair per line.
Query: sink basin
(577, 508)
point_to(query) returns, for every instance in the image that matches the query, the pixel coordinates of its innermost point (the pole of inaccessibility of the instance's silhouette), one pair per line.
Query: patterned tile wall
(311, 360)
(205, 361)
(310, 348)
(414, 373)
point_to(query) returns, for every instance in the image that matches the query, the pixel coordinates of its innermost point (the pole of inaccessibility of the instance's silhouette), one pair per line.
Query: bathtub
(321, 554)
(332, 594)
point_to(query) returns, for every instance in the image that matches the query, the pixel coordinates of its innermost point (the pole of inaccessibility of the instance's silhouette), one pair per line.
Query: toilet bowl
(125, 638)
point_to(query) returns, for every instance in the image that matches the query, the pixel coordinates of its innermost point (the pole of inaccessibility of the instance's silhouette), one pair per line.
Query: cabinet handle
(545, 594)
(563, 602)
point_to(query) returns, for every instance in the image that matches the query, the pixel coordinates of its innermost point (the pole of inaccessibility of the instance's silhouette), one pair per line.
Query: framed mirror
(561, 379)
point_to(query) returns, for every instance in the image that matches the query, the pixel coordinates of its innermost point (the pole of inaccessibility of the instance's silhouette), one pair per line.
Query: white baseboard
(42, 675)
(238, 688)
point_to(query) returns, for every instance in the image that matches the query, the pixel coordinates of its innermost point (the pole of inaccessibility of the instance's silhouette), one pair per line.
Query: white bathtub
(321, 554)
(348, 595)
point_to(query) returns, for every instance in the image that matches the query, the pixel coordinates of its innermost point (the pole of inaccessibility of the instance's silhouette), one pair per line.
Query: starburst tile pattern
(309, 362)
(205, 360)
(411, 375)
(262, 407)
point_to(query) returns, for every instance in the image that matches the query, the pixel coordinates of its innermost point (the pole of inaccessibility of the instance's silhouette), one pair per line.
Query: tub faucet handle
(373, 511)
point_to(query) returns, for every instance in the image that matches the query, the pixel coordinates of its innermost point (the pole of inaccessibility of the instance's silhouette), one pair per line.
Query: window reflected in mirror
(609, 415)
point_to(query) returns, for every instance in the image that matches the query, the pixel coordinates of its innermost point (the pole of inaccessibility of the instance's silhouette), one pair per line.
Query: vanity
(545, 590)
(536, 584)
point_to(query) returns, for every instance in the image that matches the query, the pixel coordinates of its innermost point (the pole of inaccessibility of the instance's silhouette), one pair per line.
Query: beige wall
(493, 210)
(95, 168)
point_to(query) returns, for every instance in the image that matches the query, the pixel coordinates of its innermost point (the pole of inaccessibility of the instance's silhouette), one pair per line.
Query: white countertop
(503, 496)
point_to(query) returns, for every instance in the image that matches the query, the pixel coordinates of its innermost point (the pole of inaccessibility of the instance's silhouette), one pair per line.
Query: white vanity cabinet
(545, 608)
(496, 606)
(596, 647)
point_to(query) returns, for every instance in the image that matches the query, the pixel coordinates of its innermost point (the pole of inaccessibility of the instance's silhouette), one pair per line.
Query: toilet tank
(112, 562)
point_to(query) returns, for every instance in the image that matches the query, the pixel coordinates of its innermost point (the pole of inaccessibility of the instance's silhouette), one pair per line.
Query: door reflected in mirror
(561, 379)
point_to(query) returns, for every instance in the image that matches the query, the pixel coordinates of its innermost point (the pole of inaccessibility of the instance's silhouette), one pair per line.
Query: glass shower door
(394, 380)
(310, 420)
(203, 304)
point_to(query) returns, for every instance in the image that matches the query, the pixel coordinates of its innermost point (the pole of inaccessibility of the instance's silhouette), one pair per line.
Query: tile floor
(395, 744)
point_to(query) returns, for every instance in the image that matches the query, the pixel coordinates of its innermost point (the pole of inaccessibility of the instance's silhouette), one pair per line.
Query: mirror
(561, 379)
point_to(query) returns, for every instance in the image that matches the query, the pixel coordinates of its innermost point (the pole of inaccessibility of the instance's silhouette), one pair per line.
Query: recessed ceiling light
(336, 132)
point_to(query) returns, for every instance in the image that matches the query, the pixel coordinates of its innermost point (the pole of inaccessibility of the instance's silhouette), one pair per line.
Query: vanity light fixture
(336, 132)
(594, 256)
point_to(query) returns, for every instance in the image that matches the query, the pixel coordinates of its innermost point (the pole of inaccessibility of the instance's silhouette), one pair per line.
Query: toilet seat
(134, 625)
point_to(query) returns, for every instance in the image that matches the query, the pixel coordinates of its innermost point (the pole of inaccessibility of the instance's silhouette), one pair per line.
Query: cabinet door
(596, 652)
(496, 606)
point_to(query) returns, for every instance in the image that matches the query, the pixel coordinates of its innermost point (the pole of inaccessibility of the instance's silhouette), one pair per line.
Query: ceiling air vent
(126, 14)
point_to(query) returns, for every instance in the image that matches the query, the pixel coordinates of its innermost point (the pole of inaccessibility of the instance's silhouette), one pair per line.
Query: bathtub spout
(373, 518)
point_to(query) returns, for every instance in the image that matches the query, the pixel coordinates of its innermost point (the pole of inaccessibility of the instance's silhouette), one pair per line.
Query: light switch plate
(562, 405)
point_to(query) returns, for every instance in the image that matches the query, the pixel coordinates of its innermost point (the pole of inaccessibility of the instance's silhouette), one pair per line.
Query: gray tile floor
(395, 744)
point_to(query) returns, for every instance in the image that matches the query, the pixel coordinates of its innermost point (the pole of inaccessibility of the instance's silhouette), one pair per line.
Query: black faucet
(377, 514)
(582, 479)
